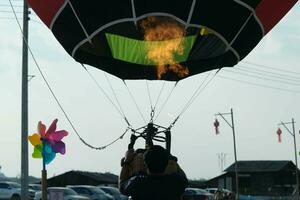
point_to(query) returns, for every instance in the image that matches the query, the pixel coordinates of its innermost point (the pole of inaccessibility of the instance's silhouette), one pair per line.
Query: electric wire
(269, 67)
(259, 77)
(268, 73)
(54, 96)
(7, 11)
(12, 18)
(260, 85)
(7, 5)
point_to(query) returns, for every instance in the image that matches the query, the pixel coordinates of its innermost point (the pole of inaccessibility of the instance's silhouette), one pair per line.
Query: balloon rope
(133, 99)
(150, 100)
(52, 93)
(195, 95)
(199, 90)
(116, 98)
(165, 102)
(159, 95)
(106, 95)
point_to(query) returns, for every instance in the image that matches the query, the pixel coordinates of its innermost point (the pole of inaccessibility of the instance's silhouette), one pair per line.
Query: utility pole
(234, 148)
(293, 133)
(221, 160)
(24, 115)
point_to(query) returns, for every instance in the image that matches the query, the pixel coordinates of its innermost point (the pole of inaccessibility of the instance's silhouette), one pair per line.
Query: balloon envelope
(113, 35)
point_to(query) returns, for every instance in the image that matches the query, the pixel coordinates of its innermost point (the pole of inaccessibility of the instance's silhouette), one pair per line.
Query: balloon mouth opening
(164, 46)
(163, 54)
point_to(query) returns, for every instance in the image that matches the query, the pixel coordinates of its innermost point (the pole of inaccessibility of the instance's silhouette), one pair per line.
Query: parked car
(35, 187)
(196, 194)
(68, 194)
(214, 190)
(224, 193)
(91, 192)
(12, 191)
(113, 192)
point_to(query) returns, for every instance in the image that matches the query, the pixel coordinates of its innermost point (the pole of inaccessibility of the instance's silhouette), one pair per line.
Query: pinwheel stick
(44, 173)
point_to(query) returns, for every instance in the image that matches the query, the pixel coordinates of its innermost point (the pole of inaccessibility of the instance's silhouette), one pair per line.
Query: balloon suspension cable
(117, 107)
(196, 94)
(166, 100)
(109, 144)
(134, 101)
(152, 113)
(173, 123)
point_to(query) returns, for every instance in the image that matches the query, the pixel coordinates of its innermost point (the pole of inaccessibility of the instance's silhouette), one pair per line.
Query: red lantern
(216, 125)
(279, 132)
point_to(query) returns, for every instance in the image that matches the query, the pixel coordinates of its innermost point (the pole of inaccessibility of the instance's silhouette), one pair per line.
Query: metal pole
(235, 158)
(44, 173)
(234, 145)
(297, 177)
(24, 115)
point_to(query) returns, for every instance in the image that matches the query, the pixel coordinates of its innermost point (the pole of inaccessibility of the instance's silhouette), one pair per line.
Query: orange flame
(168, 34)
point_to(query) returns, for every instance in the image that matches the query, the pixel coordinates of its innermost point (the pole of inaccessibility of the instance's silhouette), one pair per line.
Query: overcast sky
(261, 97)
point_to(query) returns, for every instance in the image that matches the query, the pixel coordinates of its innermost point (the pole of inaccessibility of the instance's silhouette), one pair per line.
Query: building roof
(261, 166)
(103, 177)
(82, 177)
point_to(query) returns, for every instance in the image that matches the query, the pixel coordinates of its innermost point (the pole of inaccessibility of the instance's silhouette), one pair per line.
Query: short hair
(156, 158)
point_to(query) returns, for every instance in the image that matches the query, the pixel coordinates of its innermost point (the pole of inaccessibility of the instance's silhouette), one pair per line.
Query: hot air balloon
(160, 39)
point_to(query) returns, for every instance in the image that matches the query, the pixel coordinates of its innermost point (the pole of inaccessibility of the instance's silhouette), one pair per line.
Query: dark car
(113, 192)
(196, 194)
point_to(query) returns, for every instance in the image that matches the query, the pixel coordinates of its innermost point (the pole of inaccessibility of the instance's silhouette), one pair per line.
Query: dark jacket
(154, 187)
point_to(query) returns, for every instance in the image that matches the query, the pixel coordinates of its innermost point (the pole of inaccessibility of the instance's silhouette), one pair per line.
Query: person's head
(156, 159)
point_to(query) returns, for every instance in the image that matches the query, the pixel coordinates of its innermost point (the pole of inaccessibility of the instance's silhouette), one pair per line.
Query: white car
(12, 191)
(214, 190)
(92, 192)
(196, 193)
(35, 187)
(60, 193)
(113, 192)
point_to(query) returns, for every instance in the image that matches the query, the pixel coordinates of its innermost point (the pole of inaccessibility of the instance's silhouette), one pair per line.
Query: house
(259, 177)
(82, 178)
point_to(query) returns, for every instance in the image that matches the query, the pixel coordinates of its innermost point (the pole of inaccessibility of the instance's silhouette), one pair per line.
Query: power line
(259, 77)
(8, 11)
(284, 76)
(12, 18)
(260, 85)
(269, 67)
(7, 5)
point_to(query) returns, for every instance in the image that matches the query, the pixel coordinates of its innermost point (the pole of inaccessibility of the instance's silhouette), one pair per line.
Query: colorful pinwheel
(48, 143)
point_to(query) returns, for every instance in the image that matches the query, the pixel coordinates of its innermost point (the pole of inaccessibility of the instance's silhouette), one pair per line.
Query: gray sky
(258, 106)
